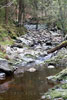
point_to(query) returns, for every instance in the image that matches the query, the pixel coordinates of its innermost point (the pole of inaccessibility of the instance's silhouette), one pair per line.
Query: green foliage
(49, 10)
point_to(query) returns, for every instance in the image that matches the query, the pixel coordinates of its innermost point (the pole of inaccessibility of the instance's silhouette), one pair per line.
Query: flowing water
(33, 27)
(27, 86)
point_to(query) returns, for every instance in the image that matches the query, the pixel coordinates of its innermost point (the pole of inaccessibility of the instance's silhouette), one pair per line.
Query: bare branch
(7, 5)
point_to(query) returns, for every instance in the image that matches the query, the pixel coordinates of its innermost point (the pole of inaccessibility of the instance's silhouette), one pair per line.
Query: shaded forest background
(49, 12)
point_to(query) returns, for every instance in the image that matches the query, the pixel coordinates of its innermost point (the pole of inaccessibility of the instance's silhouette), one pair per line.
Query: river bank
(59, 92)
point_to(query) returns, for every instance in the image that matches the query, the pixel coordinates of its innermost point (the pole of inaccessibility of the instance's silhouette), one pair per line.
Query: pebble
(31, 70)
(2, 76)
(43, 97)
(51, 66)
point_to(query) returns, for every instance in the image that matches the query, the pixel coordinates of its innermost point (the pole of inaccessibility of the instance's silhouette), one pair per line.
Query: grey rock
(2, 76)
(6, 67)
(60, 59)
(66, 37)
(31, 70)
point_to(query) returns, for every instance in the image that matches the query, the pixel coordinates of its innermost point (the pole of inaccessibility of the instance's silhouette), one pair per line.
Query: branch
(7, 5)
(63, 44)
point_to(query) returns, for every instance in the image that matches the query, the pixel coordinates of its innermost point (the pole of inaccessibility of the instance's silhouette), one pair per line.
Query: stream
(27, 86)
(33, 27)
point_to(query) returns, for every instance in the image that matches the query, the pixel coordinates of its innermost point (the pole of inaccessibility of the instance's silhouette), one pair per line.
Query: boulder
(66, 37)
(60, 59)
(2, 76)
(6, 67)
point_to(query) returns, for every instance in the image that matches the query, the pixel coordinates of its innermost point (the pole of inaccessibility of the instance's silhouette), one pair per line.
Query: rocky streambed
(29, 53)
(31, 50)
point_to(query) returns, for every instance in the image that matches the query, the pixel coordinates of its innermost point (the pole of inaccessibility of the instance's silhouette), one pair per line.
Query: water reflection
(5, 84)
(29, 86)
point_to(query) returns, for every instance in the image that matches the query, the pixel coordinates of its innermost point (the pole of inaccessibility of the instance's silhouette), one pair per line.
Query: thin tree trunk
(23, 11)
(16, 14)
(35, 14)
(61, 17)
(6, 12)
(23, 16)
(20, 13)
(42, 12)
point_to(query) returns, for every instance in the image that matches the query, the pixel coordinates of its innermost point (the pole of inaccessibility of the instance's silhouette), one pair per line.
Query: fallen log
(63, 44)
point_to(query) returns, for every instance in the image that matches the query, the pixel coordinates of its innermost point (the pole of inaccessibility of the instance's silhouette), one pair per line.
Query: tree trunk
(35, 12)
(21, 11)
(16, 14)
(6, 12)
(63, 44)
(23, 16)
(61, 17)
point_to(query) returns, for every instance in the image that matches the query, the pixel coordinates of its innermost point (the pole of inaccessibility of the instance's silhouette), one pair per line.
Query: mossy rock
(59, 91)
(62, 76)
(59, 60)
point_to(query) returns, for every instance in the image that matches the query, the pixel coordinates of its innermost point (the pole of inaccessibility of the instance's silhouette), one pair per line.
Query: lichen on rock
(60, 59)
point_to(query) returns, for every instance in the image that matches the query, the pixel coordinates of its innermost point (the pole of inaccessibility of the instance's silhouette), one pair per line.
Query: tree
(6, 11)
(21, 11)
(61, 17)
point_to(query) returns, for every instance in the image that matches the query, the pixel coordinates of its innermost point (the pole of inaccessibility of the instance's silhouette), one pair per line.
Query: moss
(59, 91)
(11, 30)
(60, 59)
(8, 34)
(60, 76)
(7, 42)
(64, 86)
(14, 31)
(57, 94)
(2, 55)
(30, 56)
